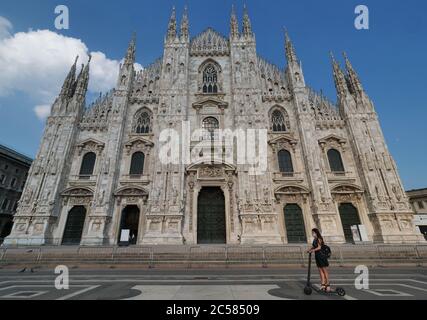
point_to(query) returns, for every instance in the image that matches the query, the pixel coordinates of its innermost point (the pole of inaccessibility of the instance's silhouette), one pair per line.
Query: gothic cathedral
(98, 176)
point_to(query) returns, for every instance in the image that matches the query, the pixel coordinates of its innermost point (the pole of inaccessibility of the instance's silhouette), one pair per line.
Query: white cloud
(42, 111)
(5, 28)
(36, 63)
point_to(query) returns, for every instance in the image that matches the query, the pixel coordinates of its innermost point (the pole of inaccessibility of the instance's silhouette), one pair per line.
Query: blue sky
(390, 57)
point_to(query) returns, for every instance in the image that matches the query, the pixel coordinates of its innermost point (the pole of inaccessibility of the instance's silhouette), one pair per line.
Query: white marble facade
(334, 157)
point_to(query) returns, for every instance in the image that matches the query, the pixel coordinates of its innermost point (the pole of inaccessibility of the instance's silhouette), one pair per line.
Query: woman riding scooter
(321, 260)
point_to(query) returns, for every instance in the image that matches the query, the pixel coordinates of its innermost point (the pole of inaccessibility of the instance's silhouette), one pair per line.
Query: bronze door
(130, 221)
(211, 226)
(294, 222)
(349, 217)
(74, 226)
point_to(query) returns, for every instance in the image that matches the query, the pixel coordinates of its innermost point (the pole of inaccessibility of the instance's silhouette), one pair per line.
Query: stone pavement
(257, 284)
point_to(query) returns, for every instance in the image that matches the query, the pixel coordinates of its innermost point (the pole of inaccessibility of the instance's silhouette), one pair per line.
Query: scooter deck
(325, 293)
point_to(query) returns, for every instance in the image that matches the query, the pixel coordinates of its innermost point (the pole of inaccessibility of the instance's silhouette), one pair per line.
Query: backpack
(326, 251)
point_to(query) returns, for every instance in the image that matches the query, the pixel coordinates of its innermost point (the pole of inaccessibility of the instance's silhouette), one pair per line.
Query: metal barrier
(222, 255)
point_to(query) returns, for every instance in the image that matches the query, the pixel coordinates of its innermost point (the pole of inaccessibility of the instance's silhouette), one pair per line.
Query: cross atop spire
(247, 27)
(234, 24)
(172, 25)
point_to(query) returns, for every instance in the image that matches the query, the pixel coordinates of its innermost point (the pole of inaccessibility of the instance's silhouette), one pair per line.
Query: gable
(209, 42)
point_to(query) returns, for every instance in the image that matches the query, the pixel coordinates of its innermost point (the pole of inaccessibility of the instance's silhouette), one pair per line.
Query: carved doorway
(211, 225)
(130, 221)
(294, 222)
(349, 217)
(74, 226)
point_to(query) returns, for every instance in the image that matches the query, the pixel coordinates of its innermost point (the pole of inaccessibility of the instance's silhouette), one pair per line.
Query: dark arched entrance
(7, 227)
(211, 226)
(130, 221)
(74, 227)
(349, 217)
(294, 222)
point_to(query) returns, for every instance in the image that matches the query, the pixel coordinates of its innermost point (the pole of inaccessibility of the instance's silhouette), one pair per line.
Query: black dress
(321, 259)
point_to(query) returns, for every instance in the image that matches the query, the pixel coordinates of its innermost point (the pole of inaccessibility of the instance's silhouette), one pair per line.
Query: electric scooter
(308, 290)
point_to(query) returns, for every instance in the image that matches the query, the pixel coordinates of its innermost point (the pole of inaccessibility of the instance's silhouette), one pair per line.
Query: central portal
(211, 226)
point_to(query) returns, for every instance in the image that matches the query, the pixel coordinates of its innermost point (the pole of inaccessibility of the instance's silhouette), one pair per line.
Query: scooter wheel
(341, 292)
(308, 291)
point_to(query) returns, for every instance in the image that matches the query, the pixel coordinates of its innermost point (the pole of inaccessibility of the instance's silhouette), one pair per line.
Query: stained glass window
(143, 123)
(285, 162)
(137, 163)
(278, 121)
(210, 79)
(335, 161)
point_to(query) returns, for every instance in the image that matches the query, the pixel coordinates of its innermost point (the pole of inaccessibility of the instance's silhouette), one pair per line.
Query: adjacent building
(418, 200)
(100, 171)
(13, 174)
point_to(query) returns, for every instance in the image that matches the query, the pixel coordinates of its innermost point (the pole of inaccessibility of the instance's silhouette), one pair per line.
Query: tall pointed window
(278, 121)
(285, 162)
(142, 123)
(137, 164)
(335, 161)
(210, 79)
(88, 164)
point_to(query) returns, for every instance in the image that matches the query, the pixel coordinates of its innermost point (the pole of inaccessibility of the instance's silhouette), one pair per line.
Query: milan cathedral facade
(98, 178)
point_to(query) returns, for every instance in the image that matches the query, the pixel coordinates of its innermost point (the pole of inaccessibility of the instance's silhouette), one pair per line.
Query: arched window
(142, 122)
(88, 164)
(137, 164)
(210, 125)
(285, 162)
(335, 161)
(278, 123)
(210, 79)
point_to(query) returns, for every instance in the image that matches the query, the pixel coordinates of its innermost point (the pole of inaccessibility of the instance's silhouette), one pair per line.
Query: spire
(234, 24)
(83, 79)
(247, 28)
(353, 78)
(172, 26)
(130, 54)
(291, 56)
(185, 25)
(67, 87)
(339, 78)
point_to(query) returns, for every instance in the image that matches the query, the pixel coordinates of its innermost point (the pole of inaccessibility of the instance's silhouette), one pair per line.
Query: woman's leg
(322, 278)
(326, 275)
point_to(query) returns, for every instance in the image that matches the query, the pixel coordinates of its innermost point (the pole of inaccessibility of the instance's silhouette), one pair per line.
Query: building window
(421, 205)
(137, 164)
(5, 203)
(88, 164)
(210, 79)
(13, 183)
(335, 161)
(278, 121)
(142, 122)
(2, 179)
(210, 125)
(285, 162)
